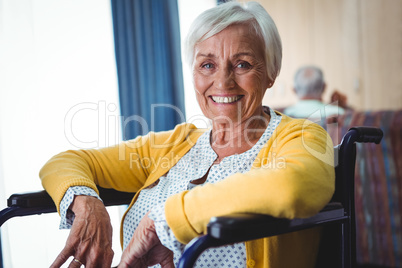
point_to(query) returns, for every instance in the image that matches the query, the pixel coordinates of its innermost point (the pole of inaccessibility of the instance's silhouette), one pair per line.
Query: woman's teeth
(225, 99)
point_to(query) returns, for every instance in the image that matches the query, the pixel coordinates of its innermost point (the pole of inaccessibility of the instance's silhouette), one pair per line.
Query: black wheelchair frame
(338, 216)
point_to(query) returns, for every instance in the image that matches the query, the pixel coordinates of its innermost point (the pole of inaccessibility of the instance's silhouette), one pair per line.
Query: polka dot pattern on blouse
(67, 216)
(194, 165)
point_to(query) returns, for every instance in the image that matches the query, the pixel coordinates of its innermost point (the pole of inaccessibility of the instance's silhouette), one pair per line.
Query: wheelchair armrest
(244, 227)
(31, 200)
(113, 197)
(110, 197)
(34, 203)
(235, 228)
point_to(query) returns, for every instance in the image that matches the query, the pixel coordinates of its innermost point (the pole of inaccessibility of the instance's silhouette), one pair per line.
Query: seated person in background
(341, 100)
(253, 159)
(309, 85)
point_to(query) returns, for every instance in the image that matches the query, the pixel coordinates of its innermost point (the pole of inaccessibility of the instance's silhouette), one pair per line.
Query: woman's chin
(230, 118)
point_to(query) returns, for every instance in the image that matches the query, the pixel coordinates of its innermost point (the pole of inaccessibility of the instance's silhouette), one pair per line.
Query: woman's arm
(125, 167)
(89, 168)
(293, 176)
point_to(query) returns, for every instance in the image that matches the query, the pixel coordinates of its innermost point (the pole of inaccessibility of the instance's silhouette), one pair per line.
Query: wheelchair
(338, 242)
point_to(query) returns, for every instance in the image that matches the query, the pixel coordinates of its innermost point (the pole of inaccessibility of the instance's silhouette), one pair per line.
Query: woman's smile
(230, 75)
(226, 99)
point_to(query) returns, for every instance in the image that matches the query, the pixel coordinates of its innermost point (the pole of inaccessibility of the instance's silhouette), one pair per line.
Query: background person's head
(309, 83)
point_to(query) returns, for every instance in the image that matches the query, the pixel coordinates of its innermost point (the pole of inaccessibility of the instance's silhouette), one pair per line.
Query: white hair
(214, 20)
(309, 81)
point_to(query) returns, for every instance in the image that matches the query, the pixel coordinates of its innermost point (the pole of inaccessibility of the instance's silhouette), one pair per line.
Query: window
(58, 91)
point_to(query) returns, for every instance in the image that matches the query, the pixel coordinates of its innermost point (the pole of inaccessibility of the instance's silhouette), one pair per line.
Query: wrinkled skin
(145, 249)
(90, 239)
(231, 64)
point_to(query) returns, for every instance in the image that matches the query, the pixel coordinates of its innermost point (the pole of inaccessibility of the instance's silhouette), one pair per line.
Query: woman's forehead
(236, 40)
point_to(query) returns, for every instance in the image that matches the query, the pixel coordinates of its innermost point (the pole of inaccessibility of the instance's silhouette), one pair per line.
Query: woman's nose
(224, 79)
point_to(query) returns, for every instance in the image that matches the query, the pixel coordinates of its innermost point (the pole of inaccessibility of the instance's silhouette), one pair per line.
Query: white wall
(54, 55)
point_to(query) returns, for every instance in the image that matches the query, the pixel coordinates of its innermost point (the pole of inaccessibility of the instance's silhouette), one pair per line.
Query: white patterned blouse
(192, 166)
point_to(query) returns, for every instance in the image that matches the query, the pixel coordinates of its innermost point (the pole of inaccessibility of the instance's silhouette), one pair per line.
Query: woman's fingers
(75, 263)
(145, 249)
(160, 254)
(62, 257)
(143, 240)
(100, 259)
(90, 238)
(168, 265)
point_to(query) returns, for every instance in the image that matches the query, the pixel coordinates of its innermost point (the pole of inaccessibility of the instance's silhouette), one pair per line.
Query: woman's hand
(90, 239)
(145, 248)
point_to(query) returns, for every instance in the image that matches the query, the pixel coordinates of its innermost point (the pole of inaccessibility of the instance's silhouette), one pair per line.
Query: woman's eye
(208, 66)
(243, 65)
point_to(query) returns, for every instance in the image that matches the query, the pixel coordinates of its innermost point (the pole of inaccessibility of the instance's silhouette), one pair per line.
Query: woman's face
(230, 76)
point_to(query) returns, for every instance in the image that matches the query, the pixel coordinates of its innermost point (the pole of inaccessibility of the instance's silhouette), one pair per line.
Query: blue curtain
(149, 69)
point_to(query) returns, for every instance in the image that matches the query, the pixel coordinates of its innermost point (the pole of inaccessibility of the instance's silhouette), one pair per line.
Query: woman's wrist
(83, 203)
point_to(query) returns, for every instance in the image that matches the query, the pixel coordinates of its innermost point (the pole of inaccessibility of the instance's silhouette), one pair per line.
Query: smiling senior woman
(252, 160)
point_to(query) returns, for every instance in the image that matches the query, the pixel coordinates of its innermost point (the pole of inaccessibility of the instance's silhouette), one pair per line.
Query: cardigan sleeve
(124, 167)
(93, 167)
(293, 176)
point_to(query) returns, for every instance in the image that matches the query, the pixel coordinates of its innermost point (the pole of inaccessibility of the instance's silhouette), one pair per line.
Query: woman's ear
(270, 83)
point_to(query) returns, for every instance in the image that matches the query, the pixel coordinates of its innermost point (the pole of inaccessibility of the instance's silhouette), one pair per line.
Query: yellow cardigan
(292, 177)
